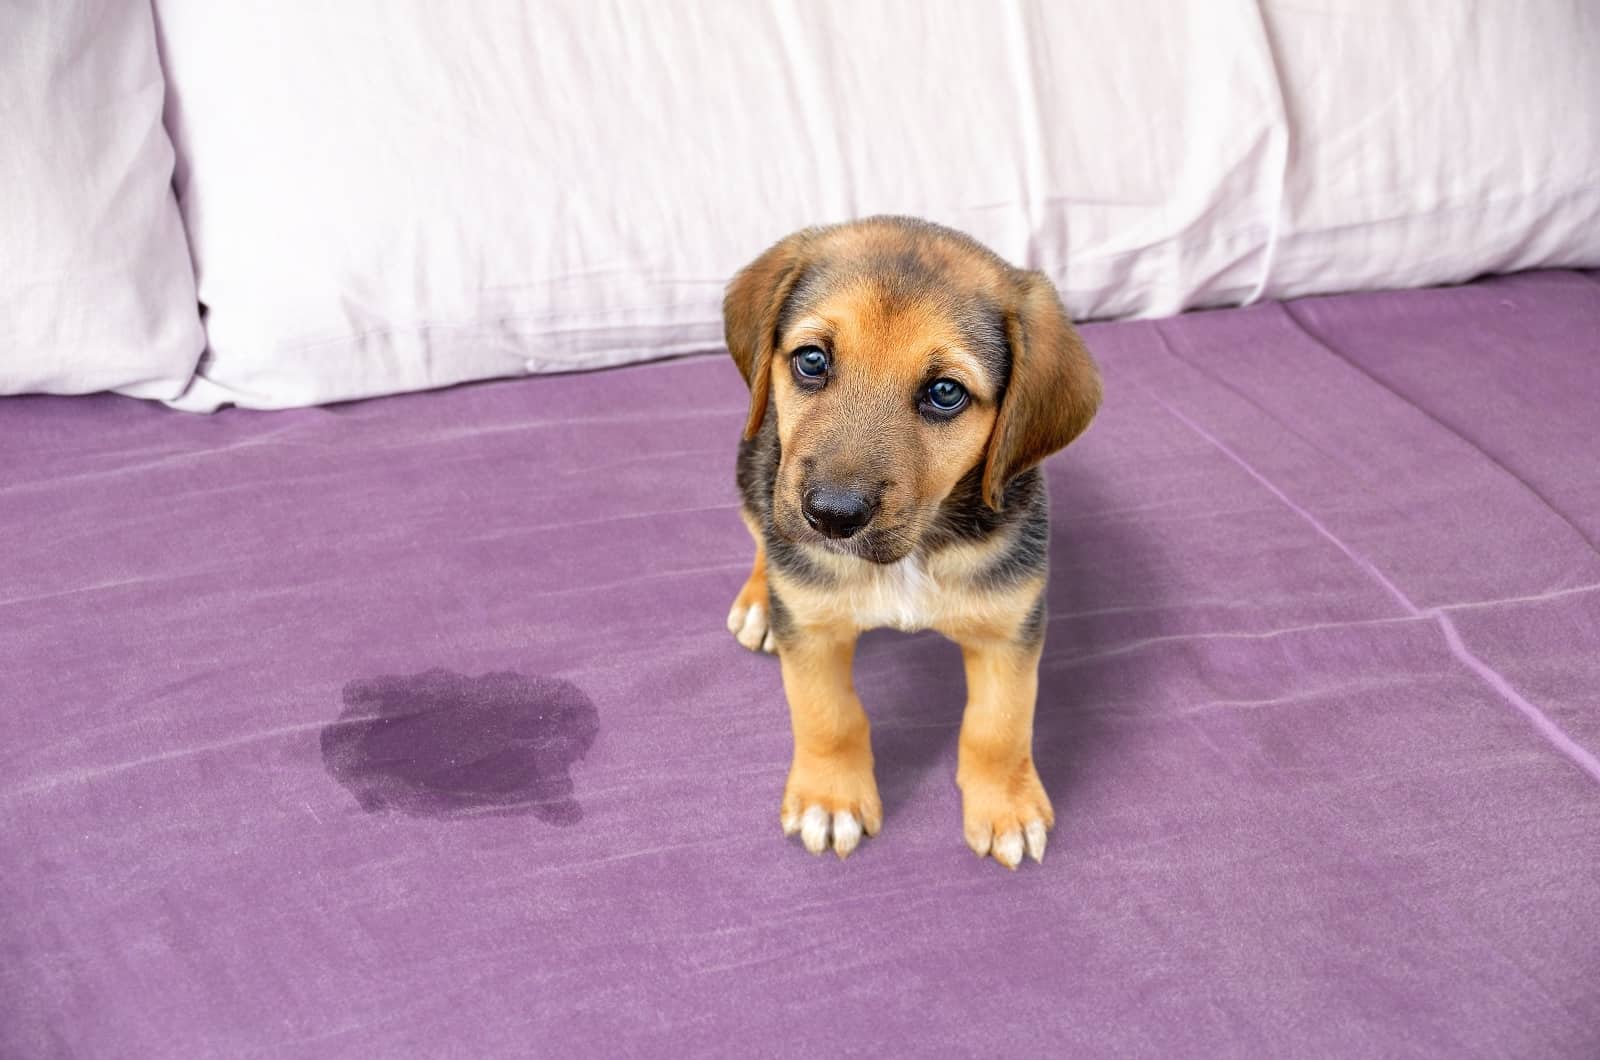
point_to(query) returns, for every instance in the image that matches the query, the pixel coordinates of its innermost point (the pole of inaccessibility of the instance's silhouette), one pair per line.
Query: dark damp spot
(442, 744)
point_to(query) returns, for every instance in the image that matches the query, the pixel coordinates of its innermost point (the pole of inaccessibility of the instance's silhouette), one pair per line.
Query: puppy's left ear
(750, 312)
(1053, 392)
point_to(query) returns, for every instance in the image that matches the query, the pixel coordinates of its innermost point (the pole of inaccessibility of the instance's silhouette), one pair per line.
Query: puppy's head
(897, 357)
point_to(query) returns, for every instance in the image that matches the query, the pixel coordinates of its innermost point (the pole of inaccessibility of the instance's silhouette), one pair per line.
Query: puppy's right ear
(750, 312)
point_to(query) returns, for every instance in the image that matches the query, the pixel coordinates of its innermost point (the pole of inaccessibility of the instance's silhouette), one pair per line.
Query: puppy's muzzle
(838, 511)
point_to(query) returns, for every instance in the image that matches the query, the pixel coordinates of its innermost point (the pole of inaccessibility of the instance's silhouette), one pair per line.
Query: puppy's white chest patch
(902, 595)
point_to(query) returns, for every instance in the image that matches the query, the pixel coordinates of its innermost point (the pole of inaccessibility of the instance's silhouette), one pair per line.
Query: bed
(410, 726)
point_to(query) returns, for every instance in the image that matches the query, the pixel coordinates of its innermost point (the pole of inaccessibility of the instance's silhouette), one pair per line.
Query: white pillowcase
(1435, 140)
(388, 195)
(96, 289)
(395, 194)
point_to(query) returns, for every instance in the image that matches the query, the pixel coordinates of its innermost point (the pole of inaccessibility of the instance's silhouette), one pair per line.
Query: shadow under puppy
(905, 383)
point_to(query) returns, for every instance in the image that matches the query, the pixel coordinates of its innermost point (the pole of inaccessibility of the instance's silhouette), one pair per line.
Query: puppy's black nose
(837, 511)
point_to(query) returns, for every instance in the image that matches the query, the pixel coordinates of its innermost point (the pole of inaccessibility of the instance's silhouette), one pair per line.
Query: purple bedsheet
(410, 727)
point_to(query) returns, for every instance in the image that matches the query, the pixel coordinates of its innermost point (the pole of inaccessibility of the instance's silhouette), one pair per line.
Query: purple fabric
(411, 727)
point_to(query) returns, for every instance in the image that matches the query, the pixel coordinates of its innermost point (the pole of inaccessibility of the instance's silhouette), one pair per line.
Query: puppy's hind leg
(749, 618)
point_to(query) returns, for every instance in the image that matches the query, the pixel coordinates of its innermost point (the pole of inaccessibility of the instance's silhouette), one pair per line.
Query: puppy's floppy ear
(750, 312)
(1053, 391)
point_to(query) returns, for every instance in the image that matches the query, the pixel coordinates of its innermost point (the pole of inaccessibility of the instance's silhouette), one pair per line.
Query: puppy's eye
(810, 362)
(946, 396)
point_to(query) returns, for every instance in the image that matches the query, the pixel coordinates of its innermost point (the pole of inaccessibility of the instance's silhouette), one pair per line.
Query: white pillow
(1435, 140)
(395, 194)
(96, 289)
(388, 195)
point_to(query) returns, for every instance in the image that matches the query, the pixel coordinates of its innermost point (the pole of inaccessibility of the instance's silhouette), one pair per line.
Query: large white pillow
(96, 289)
(396, 194)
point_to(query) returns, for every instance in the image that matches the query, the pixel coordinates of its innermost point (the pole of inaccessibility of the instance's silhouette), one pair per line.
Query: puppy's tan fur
(956, 541)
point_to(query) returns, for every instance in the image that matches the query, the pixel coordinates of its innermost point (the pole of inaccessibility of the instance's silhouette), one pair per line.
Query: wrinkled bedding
(411, 727)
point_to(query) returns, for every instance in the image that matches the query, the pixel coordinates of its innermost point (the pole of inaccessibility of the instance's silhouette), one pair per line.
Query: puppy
(905, 383)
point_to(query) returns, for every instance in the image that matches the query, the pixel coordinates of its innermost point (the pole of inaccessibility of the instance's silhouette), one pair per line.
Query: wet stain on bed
(443, 744)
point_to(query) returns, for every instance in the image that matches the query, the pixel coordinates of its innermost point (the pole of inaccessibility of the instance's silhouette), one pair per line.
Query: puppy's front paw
(831, 802)
(1005, 812)
(747, 618)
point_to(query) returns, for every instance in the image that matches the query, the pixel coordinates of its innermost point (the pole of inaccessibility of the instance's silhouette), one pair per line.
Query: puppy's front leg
(831, 796)
(1004, 806)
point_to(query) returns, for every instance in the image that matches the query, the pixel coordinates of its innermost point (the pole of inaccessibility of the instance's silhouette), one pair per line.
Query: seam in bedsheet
(70, 776)
(1328, 347)
(1373, 572)
(1530, 598)
(1188, 638)
(1497, 682)
(1238, 392)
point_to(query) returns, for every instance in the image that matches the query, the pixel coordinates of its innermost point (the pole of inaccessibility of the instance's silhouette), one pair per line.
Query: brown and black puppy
(904, 384)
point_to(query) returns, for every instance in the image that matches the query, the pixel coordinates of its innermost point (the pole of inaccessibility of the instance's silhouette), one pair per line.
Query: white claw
(749, 625)
(754, 628)
(1008, 849)
(814, 829)
(1035, 835)
(769, 645)
(791, 823)
(846, 832)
